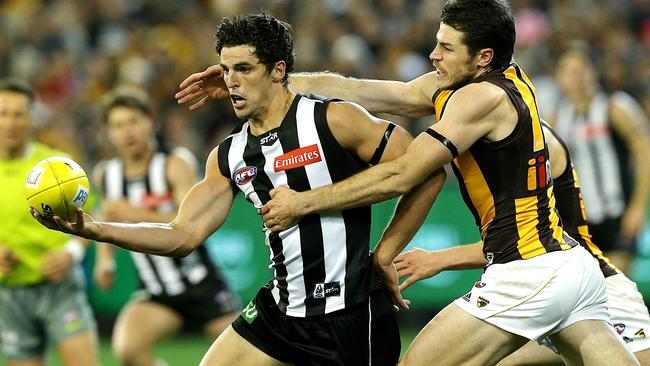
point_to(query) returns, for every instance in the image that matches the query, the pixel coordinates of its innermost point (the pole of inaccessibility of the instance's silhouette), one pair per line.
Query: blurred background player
(607, 134)
(145, 183)
(42, 292)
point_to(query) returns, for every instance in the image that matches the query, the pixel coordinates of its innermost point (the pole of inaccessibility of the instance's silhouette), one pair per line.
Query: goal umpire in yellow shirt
(42, 298)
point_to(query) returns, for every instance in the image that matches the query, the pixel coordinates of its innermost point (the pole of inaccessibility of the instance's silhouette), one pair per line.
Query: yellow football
(57, 186)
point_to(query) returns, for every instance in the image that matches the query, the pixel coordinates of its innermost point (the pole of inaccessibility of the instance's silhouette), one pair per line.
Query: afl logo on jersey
(244, 175)
(619, 327)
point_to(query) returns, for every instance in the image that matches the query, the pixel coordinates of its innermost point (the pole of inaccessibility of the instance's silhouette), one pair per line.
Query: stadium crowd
(75, 51)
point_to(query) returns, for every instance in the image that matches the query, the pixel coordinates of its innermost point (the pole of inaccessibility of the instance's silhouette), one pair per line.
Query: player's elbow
(398, 181)
(183, 250)
(395, 187)
(187, 246)
(185, 243)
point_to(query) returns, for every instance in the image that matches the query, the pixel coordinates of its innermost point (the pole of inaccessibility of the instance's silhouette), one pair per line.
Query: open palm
(201, 87)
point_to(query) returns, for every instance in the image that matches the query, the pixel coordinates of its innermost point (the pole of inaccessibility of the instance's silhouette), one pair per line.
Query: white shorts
(540, 296)
(628, 312)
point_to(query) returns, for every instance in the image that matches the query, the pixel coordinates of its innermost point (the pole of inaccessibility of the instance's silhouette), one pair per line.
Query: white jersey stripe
(332, 225)
(290, 238)
(169, 275)
(235, 162)
(135, 192)
(295, 280)
(157, 180)
(146, 272)
(113, 179)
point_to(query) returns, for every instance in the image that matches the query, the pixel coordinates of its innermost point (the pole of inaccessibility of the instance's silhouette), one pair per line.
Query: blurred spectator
(74, 51)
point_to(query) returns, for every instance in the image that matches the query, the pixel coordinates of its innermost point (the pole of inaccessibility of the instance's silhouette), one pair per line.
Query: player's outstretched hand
(417, 264)
(283, 210)
(200, 87)
(388, 275)
(79, 227)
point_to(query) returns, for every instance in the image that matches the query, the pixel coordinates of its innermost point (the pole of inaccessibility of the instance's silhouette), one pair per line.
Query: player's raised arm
(203, 211)
(411, 99)
(468, 120)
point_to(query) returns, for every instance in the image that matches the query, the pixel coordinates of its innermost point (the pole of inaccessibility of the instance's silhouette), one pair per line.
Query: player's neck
(581, 101)
(274, 113)
(483, 71)
(13, 153)
(136, 164)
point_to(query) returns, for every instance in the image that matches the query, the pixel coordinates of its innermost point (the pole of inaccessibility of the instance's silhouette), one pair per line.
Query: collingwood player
(324, 305)
(146, 183)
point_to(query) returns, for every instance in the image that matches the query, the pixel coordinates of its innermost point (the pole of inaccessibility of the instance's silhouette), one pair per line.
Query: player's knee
(129, 353)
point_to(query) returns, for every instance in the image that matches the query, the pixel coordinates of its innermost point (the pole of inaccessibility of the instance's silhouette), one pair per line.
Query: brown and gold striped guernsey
(572, 211)
(507, 184)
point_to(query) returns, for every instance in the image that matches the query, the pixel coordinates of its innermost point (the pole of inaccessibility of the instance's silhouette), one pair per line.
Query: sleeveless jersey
(19, 232)
(593, 148)
(161, 276)
(322, 264)
(572, 211)
(507, 184)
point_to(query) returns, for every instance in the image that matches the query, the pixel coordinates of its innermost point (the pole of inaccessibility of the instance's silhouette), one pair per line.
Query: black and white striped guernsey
(322, 264)
(161, 276)
(592, 142)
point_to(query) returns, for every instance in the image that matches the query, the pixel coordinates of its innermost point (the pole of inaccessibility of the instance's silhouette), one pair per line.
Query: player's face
(451, 57)
(574, 76)
(129, 129)
(14, 120)
(248, 81)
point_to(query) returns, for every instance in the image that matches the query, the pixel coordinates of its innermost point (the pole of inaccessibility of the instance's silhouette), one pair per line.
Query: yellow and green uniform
(19, 232)
(507, 184)
(33, 311)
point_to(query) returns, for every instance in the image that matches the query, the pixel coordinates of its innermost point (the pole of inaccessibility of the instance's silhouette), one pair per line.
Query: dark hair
(580, 50)
(271, 38)
(17, 86)
(128, 97)
(484, 24)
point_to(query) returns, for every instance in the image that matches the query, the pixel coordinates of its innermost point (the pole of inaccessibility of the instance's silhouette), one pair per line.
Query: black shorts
(607, 236)
(338, 338)
(201, 303)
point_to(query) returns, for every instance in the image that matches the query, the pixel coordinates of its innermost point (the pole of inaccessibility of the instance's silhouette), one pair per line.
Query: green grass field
(184, 350)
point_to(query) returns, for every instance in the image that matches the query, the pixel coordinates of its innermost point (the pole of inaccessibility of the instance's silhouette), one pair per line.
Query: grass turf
(183, 350)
